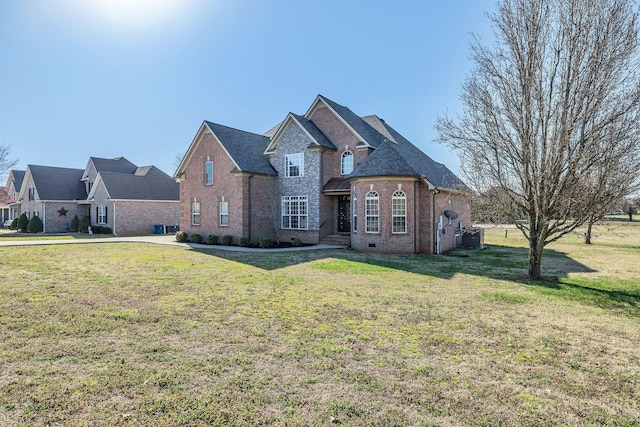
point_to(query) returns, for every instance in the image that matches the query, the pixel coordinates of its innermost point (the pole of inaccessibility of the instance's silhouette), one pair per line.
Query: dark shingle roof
(245, 148)
(404, 158)
(147, 183)
(118, 164)
(315, 132)
(18, 177)
(54, 183)
(364, 129)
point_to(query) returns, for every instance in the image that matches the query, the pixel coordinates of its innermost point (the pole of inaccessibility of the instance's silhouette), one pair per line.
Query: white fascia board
(274, 140)
(319, 100)
(192, 147)
(95, 185)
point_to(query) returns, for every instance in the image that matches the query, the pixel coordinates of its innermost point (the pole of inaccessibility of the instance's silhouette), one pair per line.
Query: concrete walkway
(160, 239)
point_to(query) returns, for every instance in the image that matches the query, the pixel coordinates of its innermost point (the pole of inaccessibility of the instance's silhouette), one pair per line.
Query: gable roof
(53, 183)
(316, 135)
(244, 148)
(362, 129)
(117, 164)
(18, 177)
(405, 159)
(147, 183)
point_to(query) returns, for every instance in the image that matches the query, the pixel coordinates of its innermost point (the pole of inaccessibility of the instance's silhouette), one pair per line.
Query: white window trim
(287, 202)
(399, 196)
(206, 175)
(371, 197)
(291, 160)
(102, 215)
(345, 155)
(224, 212)
(195, 212)
(354, 206)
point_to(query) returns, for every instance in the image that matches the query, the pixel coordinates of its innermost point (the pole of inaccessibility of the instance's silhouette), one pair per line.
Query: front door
(344, 214)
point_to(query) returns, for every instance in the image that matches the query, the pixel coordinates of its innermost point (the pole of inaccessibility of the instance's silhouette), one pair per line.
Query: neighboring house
(326, 176)
(52, 194)
(132, 203)
(114, 193)
(10, 209)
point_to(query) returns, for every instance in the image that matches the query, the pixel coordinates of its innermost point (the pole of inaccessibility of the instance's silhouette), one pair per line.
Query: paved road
(160, 239)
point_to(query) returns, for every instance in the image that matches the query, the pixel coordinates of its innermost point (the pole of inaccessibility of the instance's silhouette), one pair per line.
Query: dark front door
(344, 214)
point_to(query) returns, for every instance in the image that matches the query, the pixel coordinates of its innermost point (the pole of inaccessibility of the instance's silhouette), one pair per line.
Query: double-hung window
(372, 212)
(224, 214)
(195, 213)
(101, 212)
(294, 165)
(208, 173)
(294, 212)
(399, 212)
(32, 192)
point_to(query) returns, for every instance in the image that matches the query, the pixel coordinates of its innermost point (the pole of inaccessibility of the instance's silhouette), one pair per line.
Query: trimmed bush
(84, 224)
(266, 242)
(227, 240)
(243, 242)
(74, 225)
(14, 224)
(35, 225)
(296, 242)
(196, 238)
(212, 239)
(107, 230)
(23, 223)
(181, 236)
(96, 229)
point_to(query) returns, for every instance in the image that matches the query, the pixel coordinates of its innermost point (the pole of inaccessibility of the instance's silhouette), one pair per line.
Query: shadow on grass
(494, 262)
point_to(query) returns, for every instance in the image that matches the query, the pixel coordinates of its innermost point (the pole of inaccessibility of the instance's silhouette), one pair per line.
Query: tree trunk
(587, 235)
(535, 260)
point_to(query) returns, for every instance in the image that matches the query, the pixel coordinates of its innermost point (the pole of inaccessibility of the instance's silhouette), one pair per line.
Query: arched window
(347, 163)
(372, 212)
(399, 212)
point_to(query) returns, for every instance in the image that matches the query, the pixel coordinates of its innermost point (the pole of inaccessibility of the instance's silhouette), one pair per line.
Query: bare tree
(549, 109)
(631, 206)
(6, 162)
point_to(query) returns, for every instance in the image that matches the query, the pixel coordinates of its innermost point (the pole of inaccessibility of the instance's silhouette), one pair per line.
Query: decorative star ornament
(62, 211)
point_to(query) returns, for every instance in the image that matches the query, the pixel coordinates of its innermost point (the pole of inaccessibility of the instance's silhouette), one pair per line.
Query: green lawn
(139, 334)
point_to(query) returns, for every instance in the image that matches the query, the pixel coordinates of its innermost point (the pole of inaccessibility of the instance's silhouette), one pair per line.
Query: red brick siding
(385, 240)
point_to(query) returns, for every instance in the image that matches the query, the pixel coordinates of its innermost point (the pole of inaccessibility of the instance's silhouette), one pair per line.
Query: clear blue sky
(136, 78)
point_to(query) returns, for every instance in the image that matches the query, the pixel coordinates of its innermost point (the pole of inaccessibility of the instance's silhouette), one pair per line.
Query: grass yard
(138, 334)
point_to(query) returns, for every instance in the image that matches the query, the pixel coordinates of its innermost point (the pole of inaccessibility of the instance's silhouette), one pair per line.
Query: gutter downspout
(249, 206)
(44, 217)
(114, 218)
(415, 217)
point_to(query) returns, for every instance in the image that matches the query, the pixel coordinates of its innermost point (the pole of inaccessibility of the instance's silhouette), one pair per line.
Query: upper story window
(347, 163)
(294, 165)
(208, 173)
(372, 212)
(399, 212)
(32, 192)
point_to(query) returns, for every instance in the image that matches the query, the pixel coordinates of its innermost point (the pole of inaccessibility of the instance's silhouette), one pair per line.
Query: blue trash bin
(158, 229)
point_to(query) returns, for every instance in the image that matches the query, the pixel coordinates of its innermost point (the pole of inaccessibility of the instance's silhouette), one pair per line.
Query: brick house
(11, 207)
(326, 176)
(114, 193)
